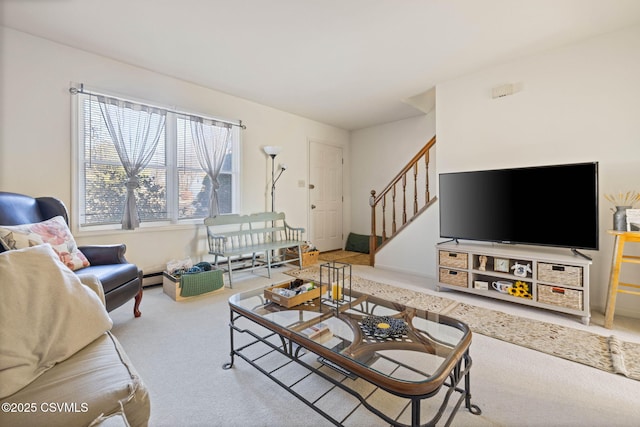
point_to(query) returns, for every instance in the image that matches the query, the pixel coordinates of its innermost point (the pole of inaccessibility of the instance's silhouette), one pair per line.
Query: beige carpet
(349, 257)
(179, 348)
(607, 353)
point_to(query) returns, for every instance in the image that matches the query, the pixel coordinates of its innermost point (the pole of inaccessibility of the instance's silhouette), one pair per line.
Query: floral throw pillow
(53, 231)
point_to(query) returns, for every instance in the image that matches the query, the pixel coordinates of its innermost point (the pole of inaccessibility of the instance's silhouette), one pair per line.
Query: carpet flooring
(608, 353)
(179, 348)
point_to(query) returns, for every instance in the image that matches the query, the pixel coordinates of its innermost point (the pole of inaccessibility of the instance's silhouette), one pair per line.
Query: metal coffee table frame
(292, 345)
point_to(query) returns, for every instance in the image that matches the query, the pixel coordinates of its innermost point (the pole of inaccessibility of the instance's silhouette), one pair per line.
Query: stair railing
(414, 175)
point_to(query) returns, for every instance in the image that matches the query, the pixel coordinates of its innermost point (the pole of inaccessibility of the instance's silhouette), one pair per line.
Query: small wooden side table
(619, 257)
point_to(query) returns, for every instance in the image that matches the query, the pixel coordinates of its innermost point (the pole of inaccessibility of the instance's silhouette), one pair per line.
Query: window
(195, 184)
(173, 188)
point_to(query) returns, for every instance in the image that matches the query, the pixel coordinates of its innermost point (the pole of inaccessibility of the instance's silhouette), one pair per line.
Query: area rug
(349, 257)
(607, 353)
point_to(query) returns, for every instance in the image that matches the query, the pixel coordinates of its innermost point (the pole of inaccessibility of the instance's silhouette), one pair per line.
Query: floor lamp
(272, 152)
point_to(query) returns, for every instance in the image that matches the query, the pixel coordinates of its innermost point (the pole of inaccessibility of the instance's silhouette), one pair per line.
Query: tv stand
(546, 278)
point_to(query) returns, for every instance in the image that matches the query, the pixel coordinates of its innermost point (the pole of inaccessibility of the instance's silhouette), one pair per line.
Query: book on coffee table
(316, 331)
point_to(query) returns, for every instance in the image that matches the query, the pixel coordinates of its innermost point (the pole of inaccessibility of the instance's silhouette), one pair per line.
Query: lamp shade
(272, 150)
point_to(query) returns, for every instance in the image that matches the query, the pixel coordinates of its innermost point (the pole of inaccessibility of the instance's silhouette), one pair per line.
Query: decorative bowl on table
(383, 326)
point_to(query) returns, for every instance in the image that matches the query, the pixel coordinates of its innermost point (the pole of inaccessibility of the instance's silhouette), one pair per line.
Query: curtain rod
(75, 91)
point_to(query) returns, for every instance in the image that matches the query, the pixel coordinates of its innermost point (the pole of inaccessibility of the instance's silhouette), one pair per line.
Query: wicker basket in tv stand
(558, 280)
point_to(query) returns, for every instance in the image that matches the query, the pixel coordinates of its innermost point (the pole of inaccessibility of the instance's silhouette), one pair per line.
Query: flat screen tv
(544, 205)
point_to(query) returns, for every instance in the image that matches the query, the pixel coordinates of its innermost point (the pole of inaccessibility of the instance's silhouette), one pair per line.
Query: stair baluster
(379, 201)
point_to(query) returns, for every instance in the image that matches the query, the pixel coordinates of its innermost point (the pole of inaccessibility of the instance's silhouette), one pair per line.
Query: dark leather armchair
(120, 279)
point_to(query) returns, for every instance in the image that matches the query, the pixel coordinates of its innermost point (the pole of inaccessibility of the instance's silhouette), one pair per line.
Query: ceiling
(348, 63)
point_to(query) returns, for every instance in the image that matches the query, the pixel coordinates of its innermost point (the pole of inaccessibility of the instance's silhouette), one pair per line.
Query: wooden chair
(615, 286)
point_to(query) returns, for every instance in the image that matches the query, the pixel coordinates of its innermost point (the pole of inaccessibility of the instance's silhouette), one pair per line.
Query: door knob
(313, 206)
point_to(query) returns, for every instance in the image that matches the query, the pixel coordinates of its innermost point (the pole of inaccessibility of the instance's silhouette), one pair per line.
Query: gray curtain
(211, 140)
(135, 131)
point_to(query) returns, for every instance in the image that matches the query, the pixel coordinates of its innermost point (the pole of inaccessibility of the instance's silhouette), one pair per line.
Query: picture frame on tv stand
(501, 264)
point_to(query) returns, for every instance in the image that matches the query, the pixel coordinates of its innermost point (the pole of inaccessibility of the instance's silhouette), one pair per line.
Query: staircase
(389, 212)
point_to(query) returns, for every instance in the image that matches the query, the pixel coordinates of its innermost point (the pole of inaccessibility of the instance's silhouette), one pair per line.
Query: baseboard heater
(151, 279)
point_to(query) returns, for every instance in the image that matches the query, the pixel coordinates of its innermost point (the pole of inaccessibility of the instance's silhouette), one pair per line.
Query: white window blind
(195, 184)
(173, 187)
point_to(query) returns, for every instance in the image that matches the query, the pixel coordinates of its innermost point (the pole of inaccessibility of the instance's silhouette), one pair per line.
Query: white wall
(578, 103)
(377, 154)
(35, 137)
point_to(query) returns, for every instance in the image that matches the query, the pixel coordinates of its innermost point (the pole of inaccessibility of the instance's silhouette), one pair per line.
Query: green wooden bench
(249, 242)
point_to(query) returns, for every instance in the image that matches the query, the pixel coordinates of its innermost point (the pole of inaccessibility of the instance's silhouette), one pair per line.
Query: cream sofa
(59, 363)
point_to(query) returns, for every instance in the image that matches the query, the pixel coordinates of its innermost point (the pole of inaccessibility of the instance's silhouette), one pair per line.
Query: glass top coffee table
(408, 353)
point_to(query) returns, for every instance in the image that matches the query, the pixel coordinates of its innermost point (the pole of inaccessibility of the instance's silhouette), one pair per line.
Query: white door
(325, 196)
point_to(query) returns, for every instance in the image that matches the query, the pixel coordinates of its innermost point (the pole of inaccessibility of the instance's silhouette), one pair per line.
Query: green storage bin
(192, 284)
